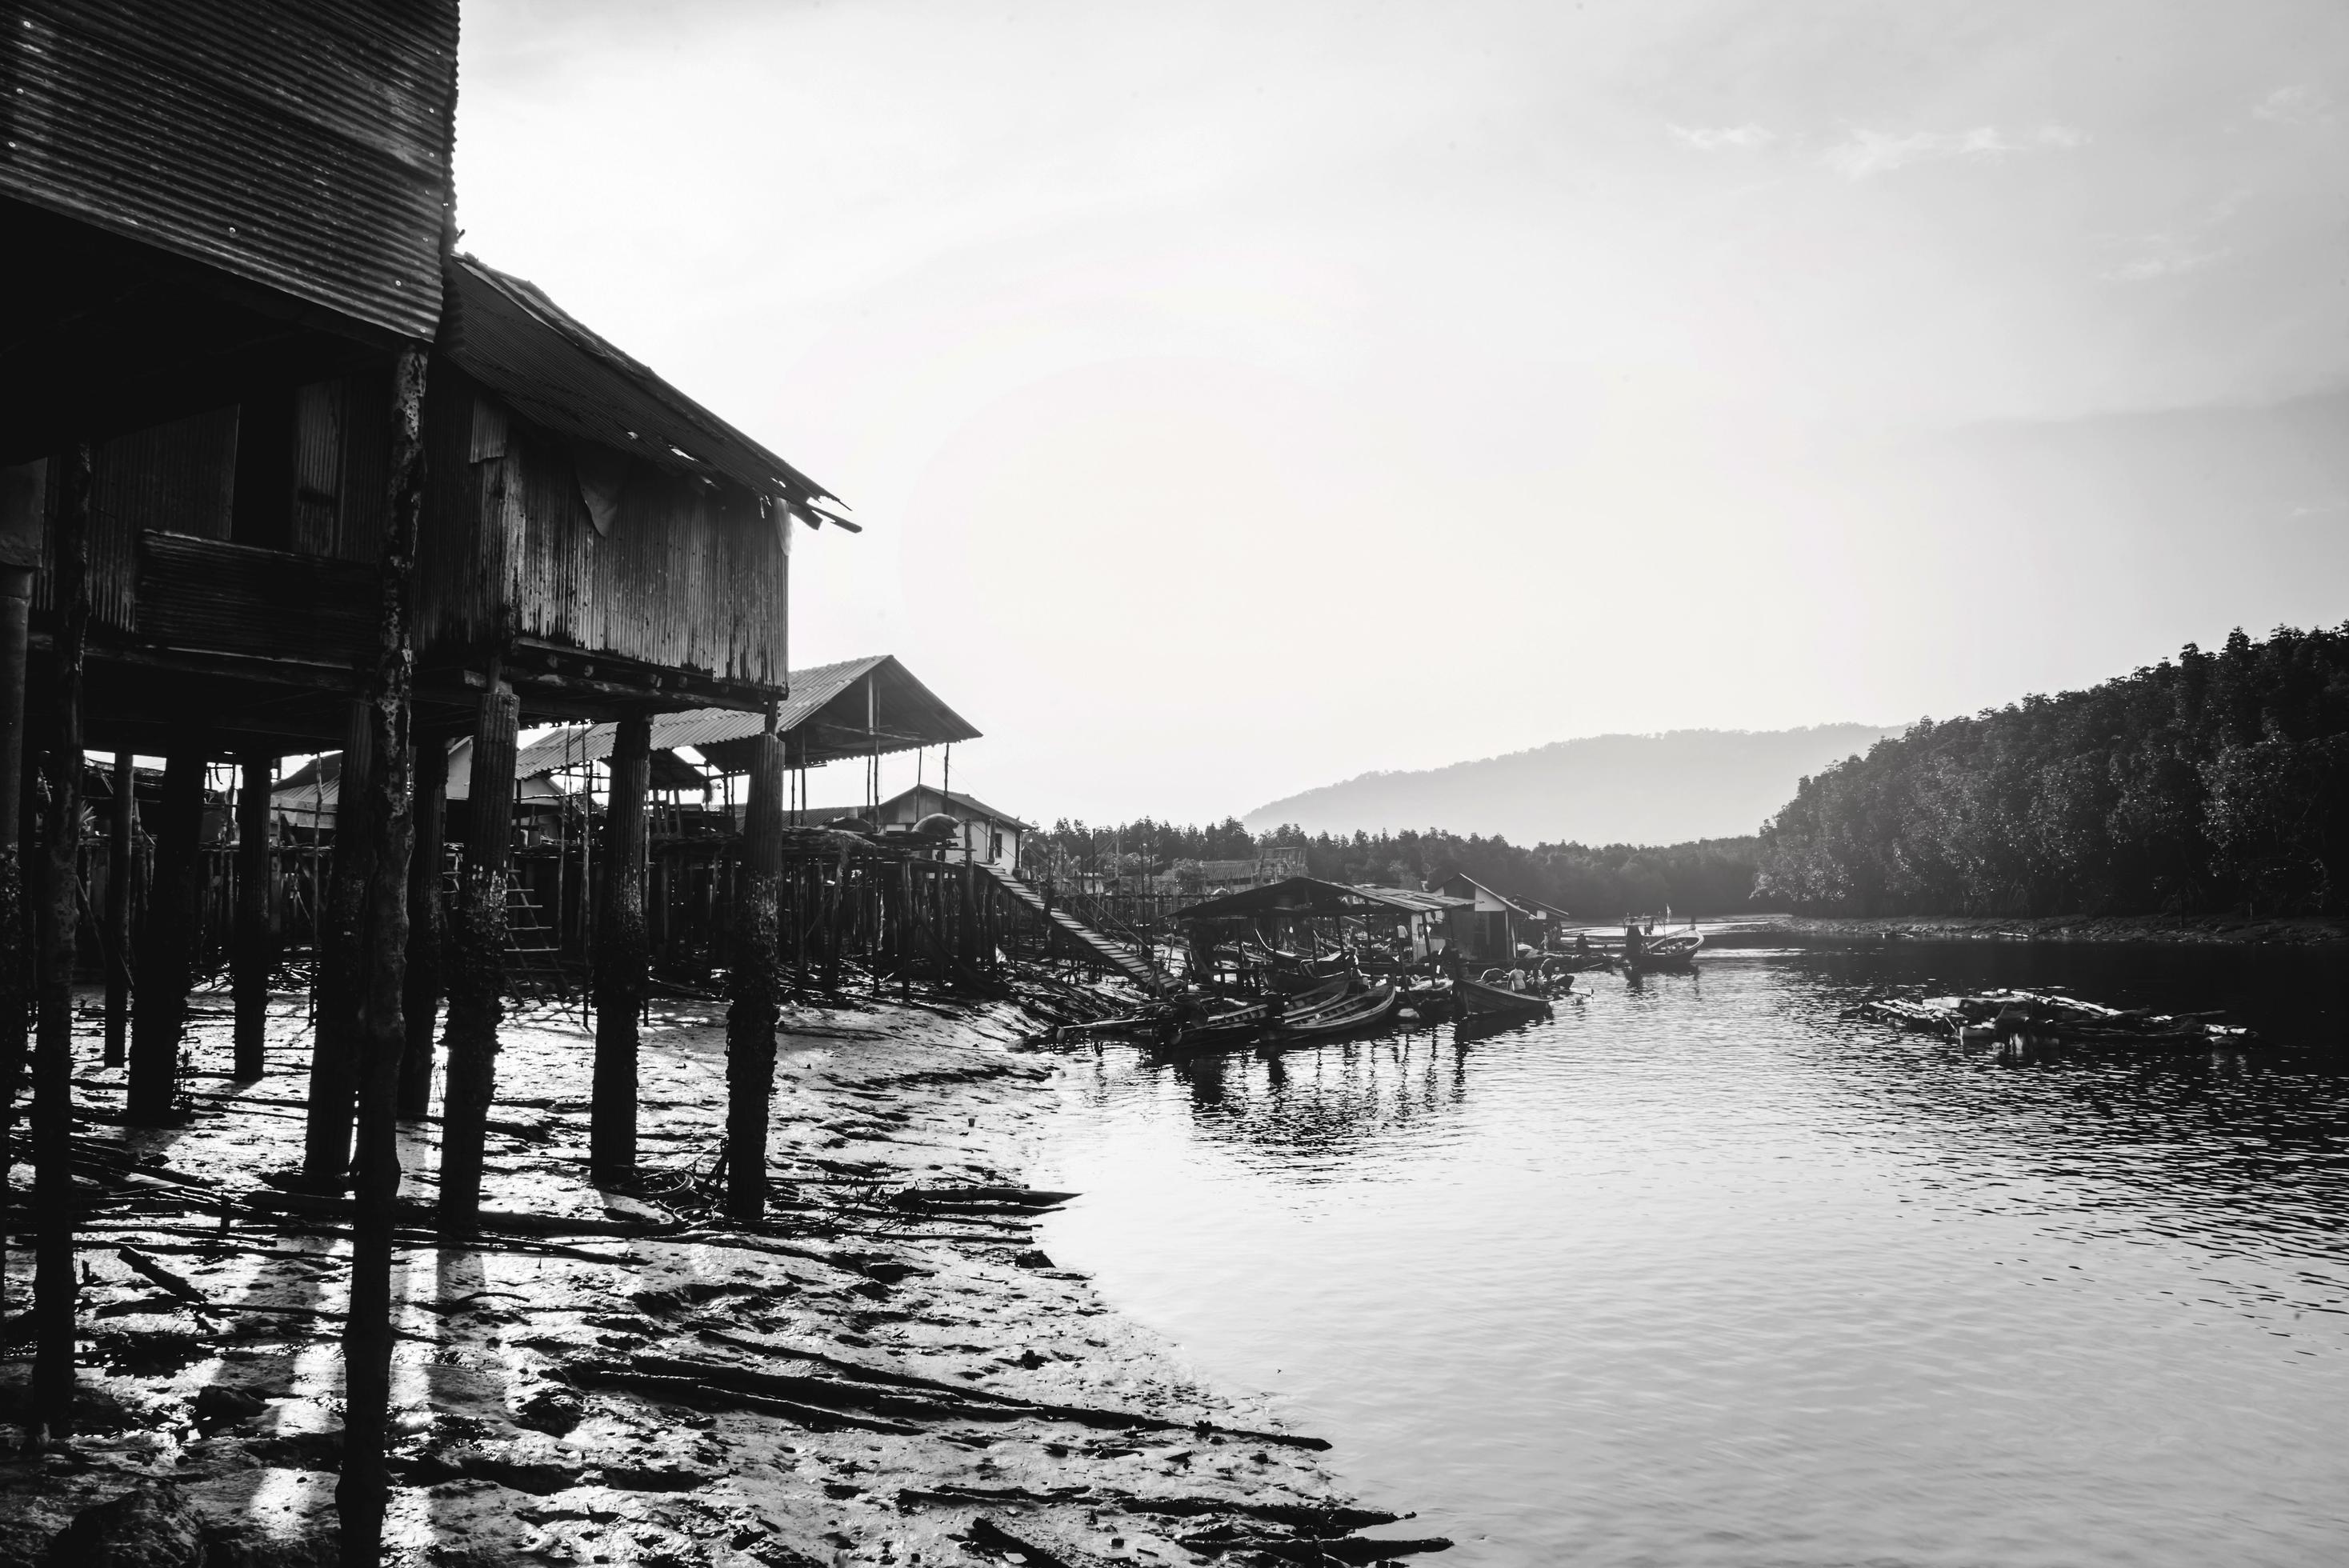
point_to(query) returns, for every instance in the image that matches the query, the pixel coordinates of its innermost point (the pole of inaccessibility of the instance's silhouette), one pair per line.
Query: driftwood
(901, 1395)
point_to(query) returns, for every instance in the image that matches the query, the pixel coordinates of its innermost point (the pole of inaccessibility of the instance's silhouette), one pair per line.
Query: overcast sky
(1241, 396)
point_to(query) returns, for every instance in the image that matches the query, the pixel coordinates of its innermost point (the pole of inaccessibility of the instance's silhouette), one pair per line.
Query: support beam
(333, 1043)
(121, 862)
(753, 1010)
(363, 1487)
(427, 925)
(255, 952)
(622, 958)
(166, 941)
(55, 1289)
(477, 954)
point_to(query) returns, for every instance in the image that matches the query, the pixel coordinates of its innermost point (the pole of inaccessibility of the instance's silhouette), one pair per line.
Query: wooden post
(476, 954)
(363, 1487)
(752, 1013)
(121, 852)
(255, 952)
(621, 959)
(16, 617)
(341, 958)
(167, 939)
(427, 925)
(54, 1286)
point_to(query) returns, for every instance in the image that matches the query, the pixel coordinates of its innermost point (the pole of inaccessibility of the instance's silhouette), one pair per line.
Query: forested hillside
(2215, 781)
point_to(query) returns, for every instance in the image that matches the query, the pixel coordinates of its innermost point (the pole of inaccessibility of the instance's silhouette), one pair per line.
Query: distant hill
(1603, 789)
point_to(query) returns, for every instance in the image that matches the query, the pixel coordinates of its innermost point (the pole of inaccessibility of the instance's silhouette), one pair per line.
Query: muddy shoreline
(2151, 930)
(890, 1372)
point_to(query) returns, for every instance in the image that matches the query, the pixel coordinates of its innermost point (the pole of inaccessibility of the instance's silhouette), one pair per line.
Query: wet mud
(888, 1372)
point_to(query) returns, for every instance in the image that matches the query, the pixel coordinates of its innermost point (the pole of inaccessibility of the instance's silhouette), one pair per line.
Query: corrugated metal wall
(688, 578)
(178, 475)
(303, 147)
(180, 478)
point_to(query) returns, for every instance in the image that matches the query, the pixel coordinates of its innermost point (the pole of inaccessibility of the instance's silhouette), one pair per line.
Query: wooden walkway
(1126, 959)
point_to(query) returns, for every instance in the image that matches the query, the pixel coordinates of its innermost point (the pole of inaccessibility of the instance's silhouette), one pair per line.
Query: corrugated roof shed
(301, 147)
(826, 709)
(556, 373)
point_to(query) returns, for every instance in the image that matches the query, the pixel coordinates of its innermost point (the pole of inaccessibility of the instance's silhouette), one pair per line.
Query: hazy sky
(1241, 396)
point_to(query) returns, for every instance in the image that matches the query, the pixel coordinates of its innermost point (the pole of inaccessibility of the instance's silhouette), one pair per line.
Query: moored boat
(1348, 1015)
(1238, 1027)
(1474, 1000)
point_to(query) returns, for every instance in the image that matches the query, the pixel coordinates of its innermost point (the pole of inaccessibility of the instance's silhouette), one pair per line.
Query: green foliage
(2215, 781)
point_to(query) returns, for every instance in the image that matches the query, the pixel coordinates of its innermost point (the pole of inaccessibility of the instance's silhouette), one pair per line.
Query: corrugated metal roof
(315, 789)
(976, 808)
(899, 700)
(302, 147)
(1506, 901)
(555, 372)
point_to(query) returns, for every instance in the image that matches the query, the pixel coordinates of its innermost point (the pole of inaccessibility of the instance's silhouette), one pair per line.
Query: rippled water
(1706, 1271)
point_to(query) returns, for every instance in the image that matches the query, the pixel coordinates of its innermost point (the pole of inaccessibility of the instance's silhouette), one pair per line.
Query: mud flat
(889, 1372)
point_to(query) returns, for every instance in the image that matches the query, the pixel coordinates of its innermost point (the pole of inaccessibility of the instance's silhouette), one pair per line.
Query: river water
(1705, 1271)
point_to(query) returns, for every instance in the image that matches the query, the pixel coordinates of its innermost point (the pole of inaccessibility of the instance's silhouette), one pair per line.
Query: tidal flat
(889, 1371)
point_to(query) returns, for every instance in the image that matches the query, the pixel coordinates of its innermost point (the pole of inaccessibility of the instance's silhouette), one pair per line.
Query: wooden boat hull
(1353, 1015)
(1238, 1029)
(1476, 1002)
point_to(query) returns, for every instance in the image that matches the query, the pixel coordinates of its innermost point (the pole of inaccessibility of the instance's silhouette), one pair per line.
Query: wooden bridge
(1131, 959)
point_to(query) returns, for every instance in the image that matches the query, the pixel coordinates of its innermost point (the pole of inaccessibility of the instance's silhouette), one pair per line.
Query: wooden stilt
(121, 860)
(54, 1288)
(621, 959)
(20, 544)
(256, 951)
(334, 1047)
(427, 925)
(166, 941)
(476, 953)
(365, 1487)
(753, 1009)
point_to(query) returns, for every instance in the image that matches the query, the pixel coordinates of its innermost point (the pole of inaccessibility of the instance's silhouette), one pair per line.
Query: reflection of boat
(1431, 1003)
(1234, 1030)
(1476, 1002)
(1343, 1017)
(1485, 1025)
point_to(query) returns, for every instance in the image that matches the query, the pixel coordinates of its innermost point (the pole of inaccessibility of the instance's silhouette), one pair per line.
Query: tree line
(2211, 782)
(2214, 781)
(1710, 876)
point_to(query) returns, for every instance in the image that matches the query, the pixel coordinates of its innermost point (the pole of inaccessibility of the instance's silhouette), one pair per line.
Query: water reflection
(1708, 1270)
(1314, 1107)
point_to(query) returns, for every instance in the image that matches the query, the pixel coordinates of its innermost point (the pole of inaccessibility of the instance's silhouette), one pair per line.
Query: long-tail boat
(1237, 1028)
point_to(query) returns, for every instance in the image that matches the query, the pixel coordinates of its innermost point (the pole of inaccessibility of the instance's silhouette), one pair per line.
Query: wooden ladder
(534, 966)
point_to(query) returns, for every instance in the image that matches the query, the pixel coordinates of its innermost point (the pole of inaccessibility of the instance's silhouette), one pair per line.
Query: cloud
(2295, 104)
(2190, 247)
(1729, 138)
(1864, 152)
(2165, 257)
